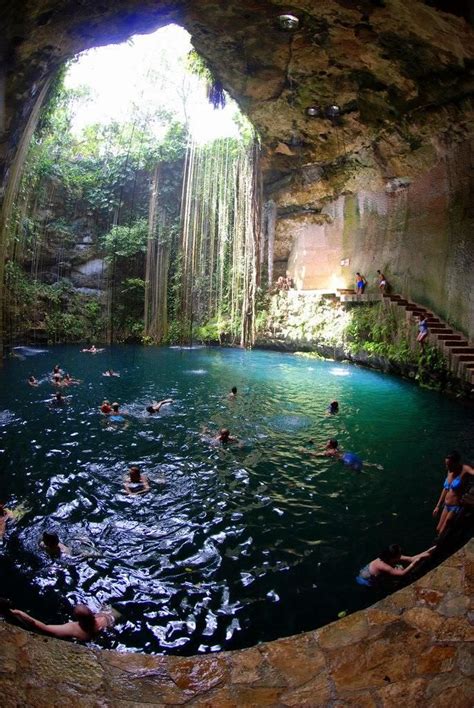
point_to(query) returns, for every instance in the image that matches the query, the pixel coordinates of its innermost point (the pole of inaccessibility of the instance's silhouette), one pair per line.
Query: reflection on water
(232, 545)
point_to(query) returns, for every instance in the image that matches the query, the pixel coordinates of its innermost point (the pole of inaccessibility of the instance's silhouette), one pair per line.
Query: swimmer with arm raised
(85, 626)
(155, 407)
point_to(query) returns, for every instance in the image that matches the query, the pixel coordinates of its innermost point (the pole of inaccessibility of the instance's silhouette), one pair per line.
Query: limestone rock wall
(418, 228)
(399, 73)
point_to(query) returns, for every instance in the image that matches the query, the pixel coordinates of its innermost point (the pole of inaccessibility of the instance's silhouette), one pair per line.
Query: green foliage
(126, 241)
(375, 330)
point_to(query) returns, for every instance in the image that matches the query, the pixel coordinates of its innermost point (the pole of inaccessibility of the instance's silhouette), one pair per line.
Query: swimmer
(137, 483)
(117, 415)
(155, 407)
(351, 459)
(57, 379)
(106, 408)
(5, 516)
(50, 543)
(331, 449)
(233, 393)
(32, 381)
(333, 407)
(86, 625)
(388, 563)
(58, 400)
(57, 370)
(224, 437)
(69, 381)
(110, 372)
(449, 502)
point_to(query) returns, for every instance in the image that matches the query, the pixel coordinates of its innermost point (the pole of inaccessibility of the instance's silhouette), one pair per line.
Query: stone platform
(414, 648)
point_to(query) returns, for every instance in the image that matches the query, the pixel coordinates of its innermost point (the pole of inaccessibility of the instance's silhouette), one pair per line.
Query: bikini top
(454, 484)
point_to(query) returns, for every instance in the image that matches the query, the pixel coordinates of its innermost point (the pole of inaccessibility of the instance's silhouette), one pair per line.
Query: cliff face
(378, 175)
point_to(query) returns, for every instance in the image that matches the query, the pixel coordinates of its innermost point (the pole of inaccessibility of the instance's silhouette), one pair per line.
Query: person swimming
(137, 483)
(50, 543)
(111, 372)
(333, 407)
(5, 516)
(116, 416)
(86, 625)
(105, 408)
(224, 437)
(58, 400)
(155, 407)
(388, 563)
(350, 459)
(32, 381)
(233, 392)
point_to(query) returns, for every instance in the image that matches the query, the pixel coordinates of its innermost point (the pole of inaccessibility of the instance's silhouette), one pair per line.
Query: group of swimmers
(390, 562)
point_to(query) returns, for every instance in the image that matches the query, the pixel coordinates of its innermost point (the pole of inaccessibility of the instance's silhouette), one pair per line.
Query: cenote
(231, 546)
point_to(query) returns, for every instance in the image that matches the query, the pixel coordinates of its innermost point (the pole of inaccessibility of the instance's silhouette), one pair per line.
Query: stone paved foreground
(415, 648)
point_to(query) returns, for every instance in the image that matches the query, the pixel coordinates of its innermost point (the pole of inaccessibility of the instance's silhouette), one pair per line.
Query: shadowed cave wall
(386, 184)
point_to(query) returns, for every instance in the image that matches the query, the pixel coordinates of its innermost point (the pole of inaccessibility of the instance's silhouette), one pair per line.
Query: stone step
(464, 357)
(463, 349)
(440, 329)
(448, 337)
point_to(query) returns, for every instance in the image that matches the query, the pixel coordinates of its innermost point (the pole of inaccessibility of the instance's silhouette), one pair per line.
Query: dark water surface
(231, 546)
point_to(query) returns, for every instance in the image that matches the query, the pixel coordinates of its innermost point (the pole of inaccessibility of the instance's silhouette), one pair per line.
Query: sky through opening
(147, 73)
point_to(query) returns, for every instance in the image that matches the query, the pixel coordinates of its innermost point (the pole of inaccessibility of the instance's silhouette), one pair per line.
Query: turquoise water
(231, 546)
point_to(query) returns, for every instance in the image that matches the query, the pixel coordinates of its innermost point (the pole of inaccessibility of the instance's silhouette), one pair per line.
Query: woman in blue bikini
(449, 502)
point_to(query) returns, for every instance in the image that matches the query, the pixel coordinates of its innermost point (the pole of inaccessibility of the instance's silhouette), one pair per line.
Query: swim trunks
(352, 460)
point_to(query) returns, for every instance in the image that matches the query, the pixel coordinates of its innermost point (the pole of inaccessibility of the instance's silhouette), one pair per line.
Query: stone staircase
(458, 351)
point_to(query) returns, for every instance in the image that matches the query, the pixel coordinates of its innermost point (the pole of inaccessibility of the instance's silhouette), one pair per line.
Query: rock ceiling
(398, 71)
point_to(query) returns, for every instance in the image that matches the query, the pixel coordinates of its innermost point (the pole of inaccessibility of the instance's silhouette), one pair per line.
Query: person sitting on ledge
(390, 562)
(155, 407)
(86, 625)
